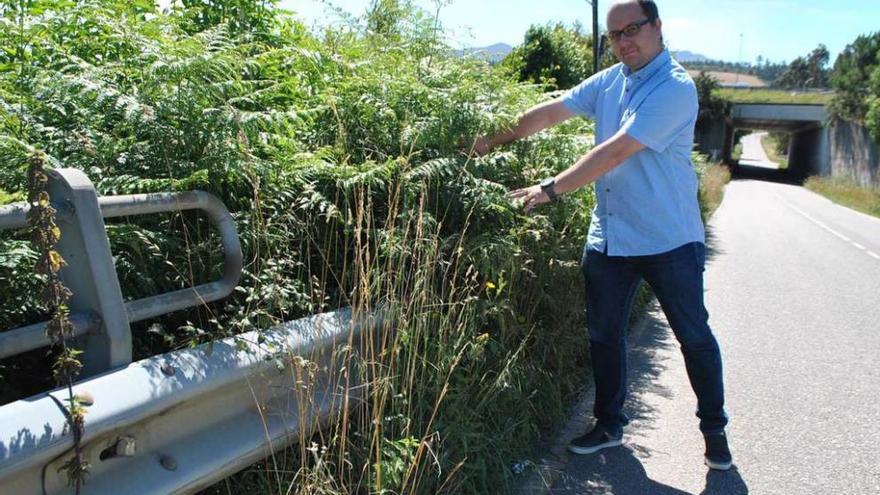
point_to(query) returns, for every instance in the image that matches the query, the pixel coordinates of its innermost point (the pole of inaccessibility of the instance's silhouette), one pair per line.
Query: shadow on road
(712, 248)
(743, 171)
(620, 471)
(616, 471)
(725, 483)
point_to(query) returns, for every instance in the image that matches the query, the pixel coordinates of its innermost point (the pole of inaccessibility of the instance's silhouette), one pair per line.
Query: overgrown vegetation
(339, 159)
(847, 192)
(736, 154)
(713, 178)
(338, 155)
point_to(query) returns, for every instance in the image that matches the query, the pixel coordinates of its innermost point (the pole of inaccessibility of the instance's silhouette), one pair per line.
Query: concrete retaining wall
(853, 153)
(810, 152)
(709, 136)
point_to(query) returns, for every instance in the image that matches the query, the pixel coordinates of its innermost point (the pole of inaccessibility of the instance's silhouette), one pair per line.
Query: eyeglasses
(629, 31)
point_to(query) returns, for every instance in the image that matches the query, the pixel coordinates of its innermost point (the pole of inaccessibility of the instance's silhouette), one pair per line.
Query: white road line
(829, 229)
(820, 224)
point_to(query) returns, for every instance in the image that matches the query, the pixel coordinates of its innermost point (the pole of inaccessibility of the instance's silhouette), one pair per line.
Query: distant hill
(496, 53)
(492, 53)
(686, 56)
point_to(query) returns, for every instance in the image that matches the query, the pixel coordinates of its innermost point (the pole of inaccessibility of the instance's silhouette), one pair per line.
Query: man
(646, 223)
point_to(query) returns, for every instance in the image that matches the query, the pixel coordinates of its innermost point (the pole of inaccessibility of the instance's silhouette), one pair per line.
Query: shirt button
(611, 214)
(607, 190)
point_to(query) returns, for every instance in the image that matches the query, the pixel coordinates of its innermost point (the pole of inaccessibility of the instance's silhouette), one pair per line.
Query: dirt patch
(730, 78)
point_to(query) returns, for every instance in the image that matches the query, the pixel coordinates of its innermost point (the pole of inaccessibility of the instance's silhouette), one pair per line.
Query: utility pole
(595, 5)
(739, 58)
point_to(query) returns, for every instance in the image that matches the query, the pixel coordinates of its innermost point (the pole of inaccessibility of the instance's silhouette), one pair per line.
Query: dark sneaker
(717, 453)
(594, 441)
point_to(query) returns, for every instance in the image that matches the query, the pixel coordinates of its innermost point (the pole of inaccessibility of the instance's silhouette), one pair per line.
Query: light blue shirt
(647, 204)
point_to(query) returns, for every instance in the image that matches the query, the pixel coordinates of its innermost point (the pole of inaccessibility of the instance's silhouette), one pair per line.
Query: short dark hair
(649, 8)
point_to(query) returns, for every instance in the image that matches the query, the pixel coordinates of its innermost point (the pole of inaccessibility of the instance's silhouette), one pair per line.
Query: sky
(731, 30)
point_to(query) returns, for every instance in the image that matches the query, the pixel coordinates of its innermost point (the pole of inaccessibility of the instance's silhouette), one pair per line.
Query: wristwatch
(547, 186)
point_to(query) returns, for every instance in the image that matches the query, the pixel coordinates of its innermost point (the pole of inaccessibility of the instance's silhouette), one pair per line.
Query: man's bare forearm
(535, 119)
(596, 163)
(587, 169)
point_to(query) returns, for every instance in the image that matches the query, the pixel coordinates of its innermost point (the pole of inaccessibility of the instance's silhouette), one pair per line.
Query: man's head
(634, 32)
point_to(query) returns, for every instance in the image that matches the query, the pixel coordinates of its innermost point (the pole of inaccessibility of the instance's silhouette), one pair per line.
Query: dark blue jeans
(677, 280)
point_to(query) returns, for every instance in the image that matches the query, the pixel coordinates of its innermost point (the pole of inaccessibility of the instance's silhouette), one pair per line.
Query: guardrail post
(90, 273)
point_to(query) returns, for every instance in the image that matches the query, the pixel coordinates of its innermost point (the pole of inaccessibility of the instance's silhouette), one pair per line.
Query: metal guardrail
(144, 204)
(97, 310)
(178, 422)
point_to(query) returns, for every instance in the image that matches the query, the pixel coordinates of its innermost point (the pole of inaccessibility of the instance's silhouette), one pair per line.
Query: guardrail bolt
(168, 462)
(167, 369)
(125, 446)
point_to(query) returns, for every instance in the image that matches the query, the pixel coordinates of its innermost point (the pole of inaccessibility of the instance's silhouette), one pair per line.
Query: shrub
(555, 55)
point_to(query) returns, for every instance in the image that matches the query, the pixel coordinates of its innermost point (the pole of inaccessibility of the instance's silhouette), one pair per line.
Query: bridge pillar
(810, 152)
(728, 144)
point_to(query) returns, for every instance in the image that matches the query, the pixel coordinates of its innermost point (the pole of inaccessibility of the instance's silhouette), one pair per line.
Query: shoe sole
(590, 450)
(718, 466)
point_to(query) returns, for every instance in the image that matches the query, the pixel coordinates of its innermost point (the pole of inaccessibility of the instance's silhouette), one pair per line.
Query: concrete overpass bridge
(810, 148)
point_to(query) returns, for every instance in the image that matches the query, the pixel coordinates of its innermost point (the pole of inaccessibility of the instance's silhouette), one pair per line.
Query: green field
(772, 96)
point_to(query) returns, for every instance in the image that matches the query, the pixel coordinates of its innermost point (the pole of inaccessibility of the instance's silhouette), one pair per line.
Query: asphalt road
(793, 292)
(753, 154)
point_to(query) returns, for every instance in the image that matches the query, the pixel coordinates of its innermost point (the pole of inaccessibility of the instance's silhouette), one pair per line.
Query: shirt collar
(662, 59)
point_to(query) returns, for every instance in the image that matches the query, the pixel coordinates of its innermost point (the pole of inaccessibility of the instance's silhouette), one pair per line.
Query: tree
(796, 76)
(553, 54)
(711, 107)
(240, 15)
(807, 72)
(872, 117)
(852, 75)
(383, 17)
(816, 62)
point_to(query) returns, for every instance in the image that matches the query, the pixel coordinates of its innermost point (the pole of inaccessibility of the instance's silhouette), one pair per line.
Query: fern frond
(439, 168)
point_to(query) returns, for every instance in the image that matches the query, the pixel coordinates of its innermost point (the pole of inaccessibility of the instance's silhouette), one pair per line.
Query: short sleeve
(582, 98)
(667, 112)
